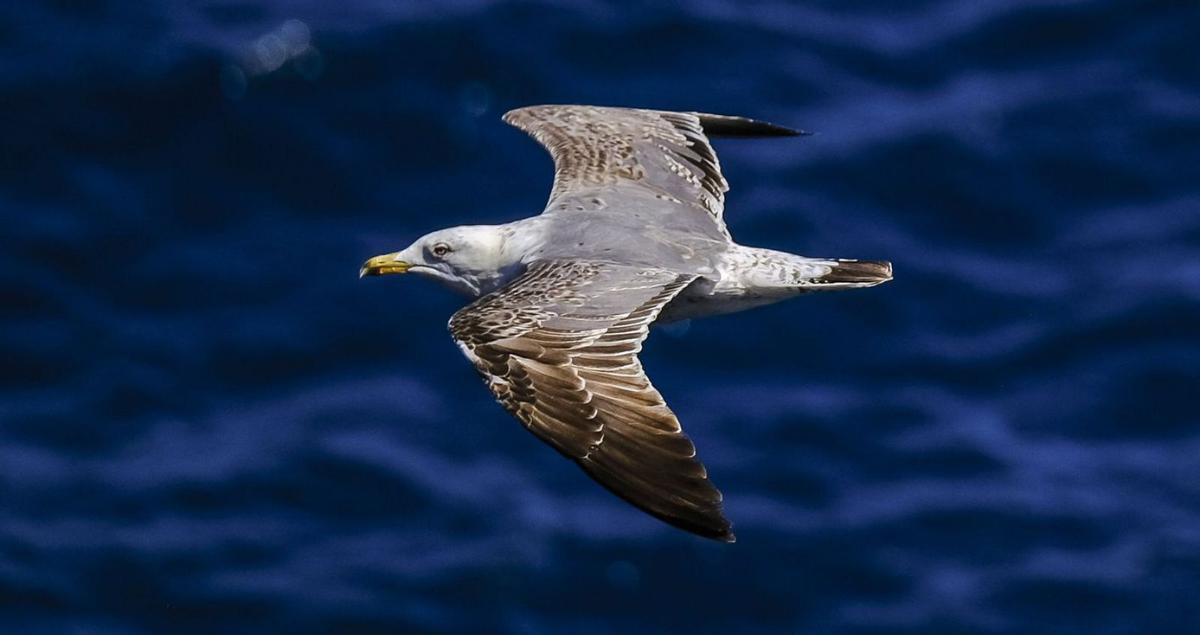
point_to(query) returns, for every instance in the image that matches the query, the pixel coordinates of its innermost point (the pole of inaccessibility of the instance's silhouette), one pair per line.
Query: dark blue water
(209, 425)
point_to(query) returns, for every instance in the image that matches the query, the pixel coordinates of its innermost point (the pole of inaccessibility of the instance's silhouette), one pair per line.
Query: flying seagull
(633, 234)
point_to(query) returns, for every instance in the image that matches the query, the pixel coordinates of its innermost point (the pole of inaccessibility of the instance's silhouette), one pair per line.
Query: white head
(470, 259)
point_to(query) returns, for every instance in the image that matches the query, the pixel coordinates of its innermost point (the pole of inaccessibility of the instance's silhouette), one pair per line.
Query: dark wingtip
(726, 126)
(720, 534)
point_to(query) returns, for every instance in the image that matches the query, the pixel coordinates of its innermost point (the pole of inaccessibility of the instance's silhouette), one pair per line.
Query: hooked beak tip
(383, 265)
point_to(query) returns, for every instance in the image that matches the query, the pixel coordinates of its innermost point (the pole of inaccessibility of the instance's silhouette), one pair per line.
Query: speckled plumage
(597, 150)
(633, 233)
(558, 348)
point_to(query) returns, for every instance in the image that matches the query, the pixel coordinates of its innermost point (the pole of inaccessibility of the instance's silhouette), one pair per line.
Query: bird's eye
(440, 249)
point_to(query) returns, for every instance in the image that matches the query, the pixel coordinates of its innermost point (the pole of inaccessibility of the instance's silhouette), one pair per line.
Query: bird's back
(635, 236)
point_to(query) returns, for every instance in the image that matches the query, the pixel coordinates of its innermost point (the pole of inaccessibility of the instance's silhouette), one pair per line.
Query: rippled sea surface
(209, 425)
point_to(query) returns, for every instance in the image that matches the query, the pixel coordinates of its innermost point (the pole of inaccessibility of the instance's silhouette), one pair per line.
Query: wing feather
(583, 391)
(636, 156)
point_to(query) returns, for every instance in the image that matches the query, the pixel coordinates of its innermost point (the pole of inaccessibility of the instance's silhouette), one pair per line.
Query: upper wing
(660, 155)
(558, 348)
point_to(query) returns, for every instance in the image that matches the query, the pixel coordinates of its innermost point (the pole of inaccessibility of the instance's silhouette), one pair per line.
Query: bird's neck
(523, 240)
(519, 243)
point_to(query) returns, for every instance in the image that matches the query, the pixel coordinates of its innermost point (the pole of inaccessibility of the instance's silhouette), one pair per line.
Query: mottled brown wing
(625, 157)
(558, 347)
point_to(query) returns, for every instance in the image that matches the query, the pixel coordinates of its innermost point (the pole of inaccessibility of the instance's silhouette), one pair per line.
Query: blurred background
(208, 424)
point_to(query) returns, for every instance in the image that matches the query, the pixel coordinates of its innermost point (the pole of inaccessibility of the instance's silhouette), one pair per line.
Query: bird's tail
(770, 273)
(852, 274)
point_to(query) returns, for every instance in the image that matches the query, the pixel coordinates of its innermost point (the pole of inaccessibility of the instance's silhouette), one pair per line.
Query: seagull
(633, 234)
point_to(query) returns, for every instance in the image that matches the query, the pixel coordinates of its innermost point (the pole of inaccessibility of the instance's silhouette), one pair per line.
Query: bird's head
(470, 259)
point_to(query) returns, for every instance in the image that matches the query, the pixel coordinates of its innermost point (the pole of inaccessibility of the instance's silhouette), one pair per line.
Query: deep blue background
(209, 425)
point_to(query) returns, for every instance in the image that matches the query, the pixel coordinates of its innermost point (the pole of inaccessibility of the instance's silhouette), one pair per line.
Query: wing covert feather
(558, 348)
(624, 157)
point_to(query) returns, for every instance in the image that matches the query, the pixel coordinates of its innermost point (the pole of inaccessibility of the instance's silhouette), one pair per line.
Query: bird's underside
(634, 225)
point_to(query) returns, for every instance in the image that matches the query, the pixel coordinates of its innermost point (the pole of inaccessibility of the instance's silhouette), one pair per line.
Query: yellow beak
(383, 265)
